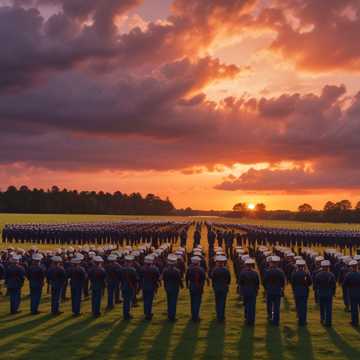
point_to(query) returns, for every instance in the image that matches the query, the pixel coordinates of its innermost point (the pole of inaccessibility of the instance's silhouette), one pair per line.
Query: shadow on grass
(187, 343)
(246, 343)
(304, 349)
(65, 342)
(161, 342)
(346, 349)
(216, 339)
(274, 346)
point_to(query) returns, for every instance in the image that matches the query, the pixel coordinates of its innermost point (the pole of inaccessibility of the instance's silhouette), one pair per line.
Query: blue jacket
(14, 276)
(129, 279)
(149, 278)
(274, 281)
(56, 276)
(352, 283)
(325, 284)
(195, 279)
(300, 282)
(36, 275)
(221, 279)
(172, 278)
(97, 276)
(249, 282)
(77, 276)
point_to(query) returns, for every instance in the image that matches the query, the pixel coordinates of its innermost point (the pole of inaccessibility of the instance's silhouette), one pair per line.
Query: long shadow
(109, 342)
(347, 350)
(187, 343)
(161, 343)
(72, 335)
(246, 343)
(274, 346)
(216, 339)
(304, 349)
(130, 346)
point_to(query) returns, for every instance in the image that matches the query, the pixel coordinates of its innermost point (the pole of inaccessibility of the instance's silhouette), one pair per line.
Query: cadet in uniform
(172, 284)
(113, 273)
(56, 276)
(14, 280)
(36, 275)
(274, 283)
(325, 285)
(195, 280)
(97, 276)
(352, 285)
(77, 276)
(221, 279)
(249, 283)
(149, 282)
(300, 282)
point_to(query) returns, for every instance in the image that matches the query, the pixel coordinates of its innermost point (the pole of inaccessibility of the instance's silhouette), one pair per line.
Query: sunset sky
(209, 102)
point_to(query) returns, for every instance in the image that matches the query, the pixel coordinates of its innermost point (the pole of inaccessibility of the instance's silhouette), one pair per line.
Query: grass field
(109, 337)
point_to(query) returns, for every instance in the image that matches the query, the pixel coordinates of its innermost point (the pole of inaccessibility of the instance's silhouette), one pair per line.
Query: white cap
(75, 260)
(357, 257)
(98, 259)
(275, 259)
(15, 258)
(149, 259)
(172, 259)
(196, 259)
(325, 263)
(353, 263)
(112, 257)
(300, 263)
(250, 262)
(129, 257)
(220, 258)
(319, 258)
(37, 257)
(56, 259)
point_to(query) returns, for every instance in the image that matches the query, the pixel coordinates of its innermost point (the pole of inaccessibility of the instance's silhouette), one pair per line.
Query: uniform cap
(15, 258)
(300, 263)
(129, 258)
(353, 263)
(37, 257)
(75, 260)
(196, 259)
(220, 258)
(56, 259)
(149, 259)
(275, 259)
(98, 259)
(112, 257)
(250, 262)
(319, 258)
(325, 263)
(172, 258)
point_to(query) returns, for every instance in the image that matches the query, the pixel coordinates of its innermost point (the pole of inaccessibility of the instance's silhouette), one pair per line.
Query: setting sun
(251, 206)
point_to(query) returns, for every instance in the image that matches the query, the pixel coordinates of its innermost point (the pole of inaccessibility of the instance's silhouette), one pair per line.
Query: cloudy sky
(207, 102)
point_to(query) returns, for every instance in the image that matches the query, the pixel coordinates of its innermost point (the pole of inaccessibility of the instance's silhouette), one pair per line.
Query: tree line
(341, 211)
(56, 201)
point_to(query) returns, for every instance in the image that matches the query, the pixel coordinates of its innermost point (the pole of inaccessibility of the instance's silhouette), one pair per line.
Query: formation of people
(115, 275)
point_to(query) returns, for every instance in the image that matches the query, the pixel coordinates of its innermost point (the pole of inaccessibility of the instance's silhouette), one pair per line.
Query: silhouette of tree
(305, 208)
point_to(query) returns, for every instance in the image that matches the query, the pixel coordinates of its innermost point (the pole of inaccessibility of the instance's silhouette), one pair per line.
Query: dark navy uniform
(36, 275)
(300, 282)
(172, 283)
(352, 284)
(113, 272)
(195, 280)
(77, 276)
(221, 279)
(57, 277)
(325, 285)
(249, 283)
(274, 282)
(149, 281)
(14, 280)
(129, 286)
(97, 276)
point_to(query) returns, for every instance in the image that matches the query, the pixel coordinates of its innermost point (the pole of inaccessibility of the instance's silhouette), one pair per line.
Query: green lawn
(108, 337)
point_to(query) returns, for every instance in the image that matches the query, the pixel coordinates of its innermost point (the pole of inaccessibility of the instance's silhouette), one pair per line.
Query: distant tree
(240, 207)
(260, 208)
(329, 206)
(305, 208)
(357, 207)
(343, 205)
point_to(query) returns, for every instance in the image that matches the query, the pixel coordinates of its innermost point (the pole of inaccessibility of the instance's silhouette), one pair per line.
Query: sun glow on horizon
(251, 206)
